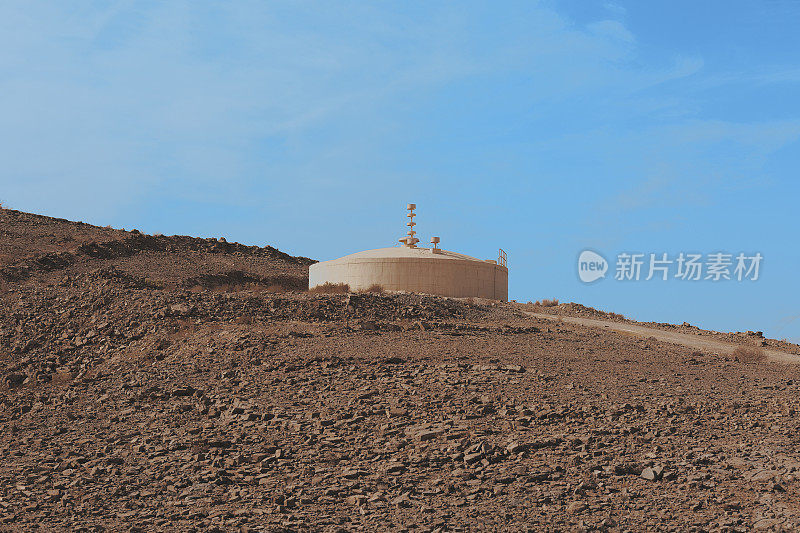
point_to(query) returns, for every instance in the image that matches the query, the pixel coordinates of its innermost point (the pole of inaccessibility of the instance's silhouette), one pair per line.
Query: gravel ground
(128, 404)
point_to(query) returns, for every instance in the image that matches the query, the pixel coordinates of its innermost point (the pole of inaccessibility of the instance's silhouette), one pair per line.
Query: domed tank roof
(408, 252)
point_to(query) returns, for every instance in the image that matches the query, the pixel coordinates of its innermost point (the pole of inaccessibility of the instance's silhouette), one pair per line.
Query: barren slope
(44, 249)
(127, 404)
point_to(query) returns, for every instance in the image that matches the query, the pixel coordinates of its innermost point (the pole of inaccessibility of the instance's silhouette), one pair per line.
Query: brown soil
(138, 395)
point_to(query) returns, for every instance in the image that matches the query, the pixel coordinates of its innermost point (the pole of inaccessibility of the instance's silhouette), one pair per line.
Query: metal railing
(502, 258)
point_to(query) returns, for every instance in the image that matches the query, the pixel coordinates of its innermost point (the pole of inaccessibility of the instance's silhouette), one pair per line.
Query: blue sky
(541, 127)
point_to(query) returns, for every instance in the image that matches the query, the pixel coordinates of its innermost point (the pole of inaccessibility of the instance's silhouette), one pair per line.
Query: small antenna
(410, 241)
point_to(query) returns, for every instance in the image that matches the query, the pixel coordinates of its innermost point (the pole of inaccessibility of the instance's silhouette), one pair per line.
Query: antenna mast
(410, 241)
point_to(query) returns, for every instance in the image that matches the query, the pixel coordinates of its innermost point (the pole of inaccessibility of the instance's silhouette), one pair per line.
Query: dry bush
(375, 288)
(330, 288)
(547, 303)
(275, 288)
(749, 354)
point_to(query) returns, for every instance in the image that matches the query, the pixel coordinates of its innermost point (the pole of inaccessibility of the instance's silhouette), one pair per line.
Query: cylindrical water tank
(413, 269)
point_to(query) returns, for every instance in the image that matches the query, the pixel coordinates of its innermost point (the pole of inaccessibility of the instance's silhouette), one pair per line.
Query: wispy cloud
(193, 97)
(612, 29)
(615, 8)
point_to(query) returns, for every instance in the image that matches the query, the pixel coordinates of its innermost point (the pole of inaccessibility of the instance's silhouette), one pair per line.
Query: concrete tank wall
(442, 275)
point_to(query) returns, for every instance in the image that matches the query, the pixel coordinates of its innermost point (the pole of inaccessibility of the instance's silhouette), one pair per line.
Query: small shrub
(547, 303)
(275, 288)
(749, 354)
(330, 288)
(375, 288)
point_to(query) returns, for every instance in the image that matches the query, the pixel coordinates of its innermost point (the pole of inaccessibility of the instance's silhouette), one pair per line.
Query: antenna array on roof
(411, 240)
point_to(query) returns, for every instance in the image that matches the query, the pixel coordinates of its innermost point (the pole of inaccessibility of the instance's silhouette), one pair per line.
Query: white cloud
(613, 30)
(615, 8)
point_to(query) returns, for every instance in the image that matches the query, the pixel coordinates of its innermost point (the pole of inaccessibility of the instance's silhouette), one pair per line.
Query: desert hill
(155, 383)
(48, 248)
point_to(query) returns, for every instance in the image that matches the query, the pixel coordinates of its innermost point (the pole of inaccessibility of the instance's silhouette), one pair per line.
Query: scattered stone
(516, 447)
(15, 379)
(654, 473)
(576, 507)
(472, 458)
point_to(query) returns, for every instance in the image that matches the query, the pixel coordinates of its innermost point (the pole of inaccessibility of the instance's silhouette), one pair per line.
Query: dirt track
(684, 339)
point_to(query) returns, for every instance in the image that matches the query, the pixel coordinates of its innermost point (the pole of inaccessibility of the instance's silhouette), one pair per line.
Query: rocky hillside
(140, 391)
(45, 249)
